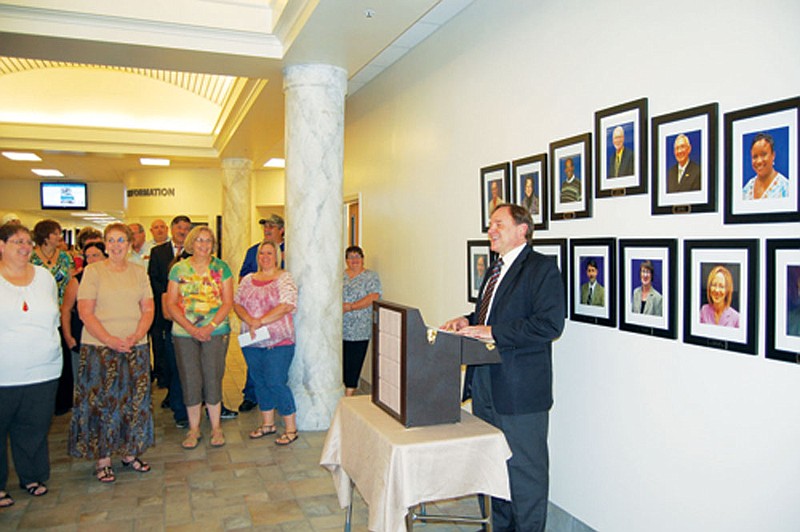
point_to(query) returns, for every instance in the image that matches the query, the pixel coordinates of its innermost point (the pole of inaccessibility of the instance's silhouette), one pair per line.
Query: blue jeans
(270, 370)
(249, 391)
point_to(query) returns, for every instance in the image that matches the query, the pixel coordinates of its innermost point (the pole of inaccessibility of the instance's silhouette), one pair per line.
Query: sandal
(5, 500)
(263, 430)
(287, 438)
(105, 474)
(137, 465)
(217, 438)
(37, 489)
(192, 439)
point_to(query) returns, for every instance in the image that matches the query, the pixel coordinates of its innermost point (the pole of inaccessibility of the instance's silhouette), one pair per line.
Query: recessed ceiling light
(146, 161)
(47, 172)
(275, 162)
(20, 156)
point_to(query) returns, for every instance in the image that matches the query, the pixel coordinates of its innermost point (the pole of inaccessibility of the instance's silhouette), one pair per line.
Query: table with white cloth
(395, 468)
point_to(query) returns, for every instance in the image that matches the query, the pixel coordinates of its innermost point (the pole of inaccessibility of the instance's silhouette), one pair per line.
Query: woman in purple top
(719, 290)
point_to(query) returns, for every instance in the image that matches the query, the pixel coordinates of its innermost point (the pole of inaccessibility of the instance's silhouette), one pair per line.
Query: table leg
(485, 519)
(349, 516)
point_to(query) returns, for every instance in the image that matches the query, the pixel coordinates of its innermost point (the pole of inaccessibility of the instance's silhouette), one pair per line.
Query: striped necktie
(494, 274)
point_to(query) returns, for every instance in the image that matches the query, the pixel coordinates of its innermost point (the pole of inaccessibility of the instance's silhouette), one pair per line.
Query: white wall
(646, 433)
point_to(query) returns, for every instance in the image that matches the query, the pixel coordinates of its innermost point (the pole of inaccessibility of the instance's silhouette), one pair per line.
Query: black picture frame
(780, 120)
(734, 331)
(477, 249)
(782, 339)
(628, 122)
(499, 175)
(656, 316)
(695, 130)
(563, 205)
(556, 248)
(599, 253)
(532, 170)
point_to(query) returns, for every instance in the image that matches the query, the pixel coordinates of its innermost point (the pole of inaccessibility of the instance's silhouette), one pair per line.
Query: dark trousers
(159, 347)
(528, 468)
(174, 391)
(25, 418)
(249, 390)
(66, 383)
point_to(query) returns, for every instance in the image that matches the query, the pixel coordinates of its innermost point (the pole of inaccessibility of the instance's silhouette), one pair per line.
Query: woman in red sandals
(265, 301)
(113, 413)
(30, 362)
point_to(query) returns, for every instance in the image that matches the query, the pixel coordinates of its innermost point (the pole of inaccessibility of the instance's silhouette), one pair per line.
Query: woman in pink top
(719, 290)
(266, 299)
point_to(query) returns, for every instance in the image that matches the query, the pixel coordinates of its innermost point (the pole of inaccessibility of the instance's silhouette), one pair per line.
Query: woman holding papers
(265, 302)
(199, 298)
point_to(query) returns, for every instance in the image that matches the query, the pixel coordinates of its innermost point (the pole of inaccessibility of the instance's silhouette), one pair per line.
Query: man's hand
(481, 332)
(456, 324)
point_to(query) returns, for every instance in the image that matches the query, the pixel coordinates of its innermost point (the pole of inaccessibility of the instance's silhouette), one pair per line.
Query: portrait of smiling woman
(719, 293)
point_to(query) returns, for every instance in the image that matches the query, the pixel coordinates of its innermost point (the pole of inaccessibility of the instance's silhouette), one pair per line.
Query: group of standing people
(107, 302)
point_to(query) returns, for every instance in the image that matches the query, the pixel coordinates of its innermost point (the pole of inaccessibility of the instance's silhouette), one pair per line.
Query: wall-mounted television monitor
(63, 195)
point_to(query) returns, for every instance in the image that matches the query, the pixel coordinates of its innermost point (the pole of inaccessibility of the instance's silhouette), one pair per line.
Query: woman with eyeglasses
(199, 299)
(30, 362)
(71, 324)
(112, 413)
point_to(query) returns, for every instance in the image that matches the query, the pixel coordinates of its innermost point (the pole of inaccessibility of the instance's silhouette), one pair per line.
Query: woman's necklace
(47, 260)
(23, 289)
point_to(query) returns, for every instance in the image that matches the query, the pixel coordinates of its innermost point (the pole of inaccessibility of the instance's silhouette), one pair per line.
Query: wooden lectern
(416, 370)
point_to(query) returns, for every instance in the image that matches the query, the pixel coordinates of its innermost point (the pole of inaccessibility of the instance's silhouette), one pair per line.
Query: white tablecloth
(395, 468)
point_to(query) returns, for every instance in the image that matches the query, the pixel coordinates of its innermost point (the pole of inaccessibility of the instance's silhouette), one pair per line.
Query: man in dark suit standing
(684, 175)
(521, 310)
(621, 163)
(161, 331)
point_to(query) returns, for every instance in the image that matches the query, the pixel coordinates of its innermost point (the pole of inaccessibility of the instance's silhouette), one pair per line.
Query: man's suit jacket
(598, 295)
(526, 316)
(625, 164)
(158, 269)
(690, 180)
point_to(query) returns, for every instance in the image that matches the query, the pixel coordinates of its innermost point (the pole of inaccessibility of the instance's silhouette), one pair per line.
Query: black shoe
(227, 414)
(247, 405)
(182, 424)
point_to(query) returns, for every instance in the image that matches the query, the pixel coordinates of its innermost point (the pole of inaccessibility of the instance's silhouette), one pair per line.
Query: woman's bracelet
(213, 324)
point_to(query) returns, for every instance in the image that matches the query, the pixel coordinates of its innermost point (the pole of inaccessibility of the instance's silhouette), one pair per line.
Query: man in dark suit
(161, 331)
(684, 175)
(521, 310)
(621, 163)
(592, 292)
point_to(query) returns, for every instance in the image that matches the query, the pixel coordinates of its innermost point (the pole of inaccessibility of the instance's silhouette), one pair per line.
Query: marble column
(314, 137)
(236, 198)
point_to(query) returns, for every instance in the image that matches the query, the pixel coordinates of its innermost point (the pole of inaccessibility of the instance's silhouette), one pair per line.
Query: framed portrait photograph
(620, 136)
(721, 294)
(479, 258)
(529, 180)
(495, 190)
(761, 163)
(783, 300)
(556, 248)
(593, 274)
(685, 161)
(571, 178)
(647, 280)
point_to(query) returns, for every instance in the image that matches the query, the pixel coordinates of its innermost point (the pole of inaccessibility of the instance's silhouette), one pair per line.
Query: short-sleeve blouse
(259, 297)
(60, 270)
(200, 295)
(117, 295)
(357, 324)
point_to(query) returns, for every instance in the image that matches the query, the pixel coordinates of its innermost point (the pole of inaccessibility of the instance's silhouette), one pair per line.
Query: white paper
(261, 334)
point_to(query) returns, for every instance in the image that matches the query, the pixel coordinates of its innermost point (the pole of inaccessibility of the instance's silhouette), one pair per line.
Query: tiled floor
(245, 485)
